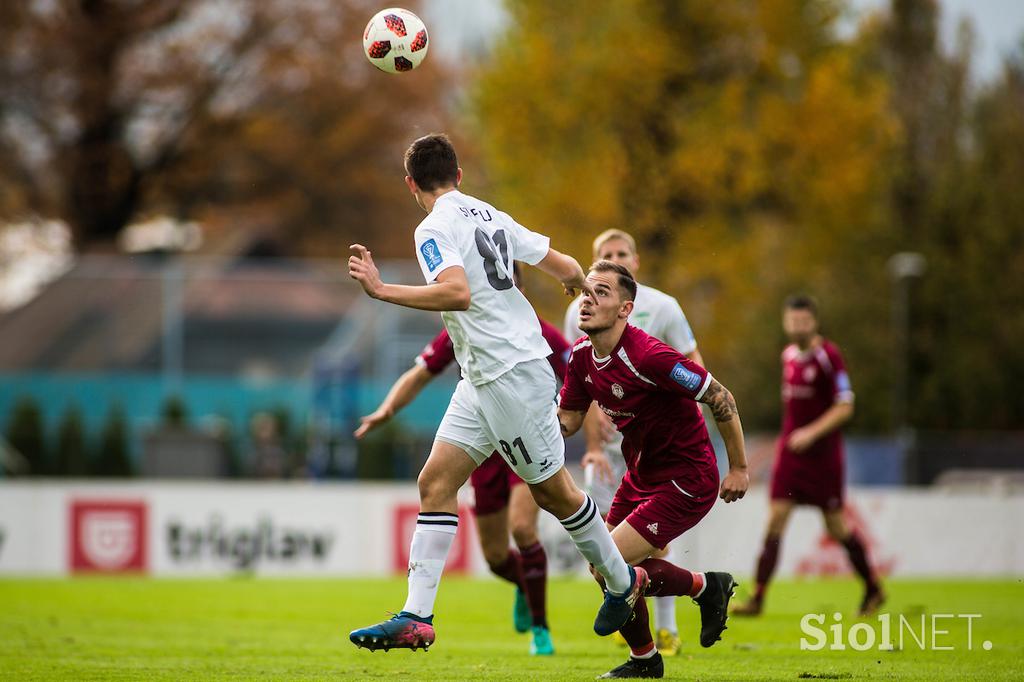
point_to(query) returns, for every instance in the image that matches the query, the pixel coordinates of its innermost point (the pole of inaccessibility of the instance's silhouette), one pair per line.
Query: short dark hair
(431, 162)
(626, 281)
(802, 302)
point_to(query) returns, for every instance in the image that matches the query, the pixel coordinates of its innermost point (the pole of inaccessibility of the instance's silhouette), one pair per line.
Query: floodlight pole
(903, 267)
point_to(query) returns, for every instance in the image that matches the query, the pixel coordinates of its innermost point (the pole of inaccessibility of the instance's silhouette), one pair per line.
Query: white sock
(430, 544)
(665, 614)
(649, 654)
(594, 542)
(703, 586)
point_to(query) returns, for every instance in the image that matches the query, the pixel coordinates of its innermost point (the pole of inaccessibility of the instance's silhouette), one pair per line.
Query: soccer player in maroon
(650, 391)
(502, 505)
(817, 401)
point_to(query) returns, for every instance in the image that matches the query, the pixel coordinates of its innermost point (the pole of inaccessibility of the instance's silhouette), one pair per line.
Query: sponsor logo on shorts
(653, 527)
(546, 464)
(617, 391)
(431, 254)
(685, 378)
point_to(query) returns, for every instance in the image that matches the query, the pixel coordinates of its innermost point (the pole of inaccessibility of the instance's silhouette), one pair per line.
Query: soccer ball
(395, 40)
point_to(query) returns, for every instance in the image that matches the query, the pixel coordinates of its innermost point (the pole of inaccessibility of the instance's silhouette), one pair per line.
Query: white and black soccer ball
(395, 40)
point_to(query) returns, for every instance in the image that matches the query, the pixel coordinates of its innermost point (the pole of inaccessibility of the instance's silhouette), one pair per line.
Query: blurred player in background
(501, 504)
(650, 391)
(506, 398)
(817, 401)
(659, 315)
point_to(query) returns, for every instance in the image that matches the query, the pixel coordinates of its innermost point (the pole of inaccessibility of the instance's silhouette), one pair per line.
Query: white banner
(215, 528)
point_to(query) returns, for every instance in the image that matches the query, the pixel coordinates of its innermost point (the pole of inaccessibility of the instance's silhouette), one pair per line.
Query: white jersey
(500, 329)
(654, 312)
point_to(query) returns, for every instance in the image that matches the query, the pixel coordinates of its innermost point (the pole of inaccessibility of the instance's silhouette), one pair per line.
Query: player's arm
(570, 421)
(727, 417)
(696, 357)
(834, 417)
(404, 390)
(565, 269)
(448, 291)
(597, 430)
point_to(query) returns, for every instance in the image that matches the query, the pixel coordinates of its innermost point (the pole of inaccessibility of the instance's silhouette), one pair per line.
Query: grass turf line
(247, 629)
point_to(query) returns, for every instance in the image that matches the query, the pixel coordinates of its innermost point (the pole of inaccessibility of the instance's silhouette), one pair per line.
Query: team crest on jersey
(589, 380)
(809, 373)
(431, 254)
(617, 391)
(653, 527)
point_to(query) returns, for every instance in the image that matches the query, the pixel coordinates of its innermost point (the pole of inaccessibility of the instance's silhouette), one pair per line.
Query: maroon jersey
(649, 390)
(439, 353)
(813, 381)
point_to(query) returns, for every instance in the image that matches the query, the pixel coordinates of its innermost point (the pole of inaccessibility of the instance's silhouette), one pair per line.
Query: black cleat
(638, 668)
(714, 606)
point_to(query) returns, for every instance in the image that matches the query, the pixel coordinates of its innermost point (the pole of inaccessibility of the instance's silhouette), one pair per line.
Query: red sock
(535, 578)
(766, 564)
(637, 630)
(667, 579)
(859, 559)
(511, 569)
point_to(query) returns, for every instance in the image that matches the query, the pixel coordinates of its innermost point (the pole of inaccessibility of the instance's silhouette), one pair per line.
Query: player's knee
(434, 490)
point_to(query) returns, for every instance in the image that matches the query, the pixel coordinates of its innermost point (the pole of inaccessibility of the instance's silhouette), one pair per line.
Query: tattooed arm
(723, 407)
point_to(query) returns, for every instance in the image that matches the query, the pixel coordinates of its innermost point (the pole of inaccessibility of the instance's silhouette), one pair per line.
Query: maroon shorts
(663, 511)
(492, 484)
(809, 478)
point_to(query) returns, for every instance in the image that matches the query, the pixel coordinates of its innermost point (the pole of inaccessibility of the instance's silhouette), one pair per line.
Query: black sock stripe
(581, 524)
(421, 522)
(437, 514)
(581, 513)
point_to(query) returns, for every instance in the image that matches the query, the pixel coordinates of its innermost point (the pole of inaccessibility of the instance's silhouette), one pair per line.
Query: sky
(999, 25)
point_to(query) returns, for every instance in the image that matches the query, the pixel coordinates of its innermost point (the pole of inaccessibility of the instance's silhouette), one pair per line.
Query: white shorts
(515, 414)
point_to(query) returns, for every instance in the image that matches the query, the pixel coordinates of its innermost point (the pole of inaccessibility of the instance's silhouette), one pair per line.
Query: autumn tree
(265, 111)
(743, 144)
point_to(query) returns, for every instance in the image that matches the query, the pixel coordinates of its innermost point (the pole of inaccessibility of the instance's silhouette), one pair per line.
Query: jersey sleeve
(527, 246)
(573, 396)
(674, 372)
(842, 389)
(560, 349)
(438, 354)
(436, 250)
(678, 333)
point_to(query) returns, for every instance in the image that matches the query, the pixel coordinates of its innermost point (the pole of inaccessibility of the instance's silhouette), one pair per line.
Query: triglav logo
(935, 632)
(246, 546)
(108, 536)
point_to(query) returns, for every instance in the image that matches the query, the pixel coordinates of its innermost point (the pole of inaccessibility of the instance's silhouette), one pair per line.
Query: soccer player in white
(659, 315)
(506, 398)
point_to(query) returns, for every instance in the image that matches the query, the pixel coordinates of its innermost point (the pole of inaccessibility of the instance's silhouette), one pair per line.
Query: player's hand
(581, 284)
(735, 485)
(362, 269)
(370, 422)
(608, 429)
(601, 465)
(800, 440)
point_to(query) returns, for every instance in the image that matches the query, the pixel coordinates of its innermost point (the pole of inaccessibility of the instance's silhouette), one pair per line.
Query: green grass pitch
(248, 629)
